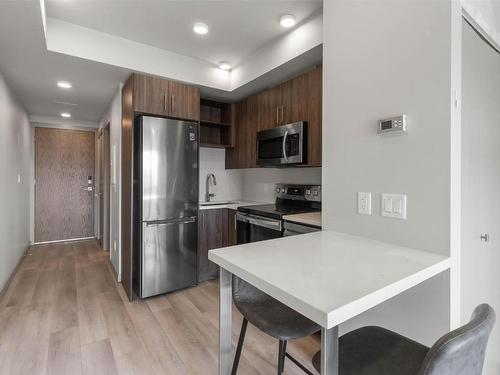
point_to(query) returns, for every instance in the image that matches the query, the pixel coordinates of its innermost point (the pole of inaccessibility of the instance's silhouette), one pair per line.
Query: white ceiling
(32, 72)
(236, 27)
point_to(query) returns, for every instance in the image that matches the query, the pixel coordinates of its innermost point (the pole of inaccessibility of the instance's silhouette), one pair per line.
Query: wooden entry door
(64, 198)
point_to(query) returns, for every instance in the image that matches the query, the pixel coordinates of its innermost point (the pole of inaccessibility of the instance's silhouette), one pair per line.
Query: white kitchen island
(328, 277)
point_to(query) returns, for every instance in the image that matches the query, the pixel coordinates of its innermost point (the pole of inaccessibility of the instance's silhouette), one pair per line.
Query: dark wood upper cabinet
(161, 97)
(298, 99)
(270, 114)
(246, 125)
(314, 116)
(251, 129)
(184, 101)
(150, 95)
(295, 100)
(235, 157)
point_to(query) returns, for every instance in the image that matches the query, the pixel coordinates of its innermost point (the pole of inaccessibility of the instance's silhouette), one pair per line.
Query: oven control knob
(315, 192)
(308, 192)
(283, 190)
(278, 190)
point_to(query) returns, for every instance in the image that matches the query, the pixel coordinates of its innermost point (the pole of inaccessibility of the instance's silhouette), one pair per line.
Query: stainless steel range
(264, 222)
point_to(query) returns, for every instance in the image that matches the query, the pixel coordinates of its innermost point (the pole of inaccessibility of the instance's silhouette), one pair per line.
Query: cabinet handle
(172, 103)
(165, 102)
(282, 115)
(277, 115)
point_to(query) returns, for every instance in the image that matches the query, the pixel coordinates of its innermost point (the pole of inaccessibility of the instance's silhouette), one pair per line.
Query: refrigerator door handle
(181, 220)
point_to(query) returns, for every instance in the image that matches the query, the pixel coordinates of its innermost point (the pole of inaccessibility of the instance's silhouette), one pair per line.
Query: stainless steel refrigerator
(165, 205)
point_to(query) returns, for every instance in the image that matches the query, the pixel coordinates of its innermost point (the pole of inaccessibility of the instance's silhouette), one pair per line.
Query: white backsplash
(253, 185)
(258, 183)
(229, 181)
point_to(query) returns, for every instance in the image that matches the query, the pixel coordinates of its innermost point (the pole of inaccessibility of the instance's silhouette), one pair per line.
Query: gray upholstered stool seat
(276, 319)
(271, 317)
(377, 351)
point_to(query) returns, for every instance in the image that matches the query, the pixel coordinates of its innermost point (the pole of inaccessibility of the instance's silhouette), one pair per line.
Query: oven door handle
(284, 146)
(259, 221)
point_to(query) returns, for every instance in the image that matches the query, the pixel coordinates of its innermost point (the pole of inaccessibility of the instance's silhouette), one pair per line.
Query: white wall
(258, 183)
(16, 153)
(395, 58)
(229, 181)
(113, 116)
(481, 183)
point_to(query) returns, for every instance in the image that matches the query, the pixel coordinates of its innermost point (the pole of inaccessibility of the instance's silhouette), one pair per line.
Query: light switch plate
(364, 203)
(393, 205)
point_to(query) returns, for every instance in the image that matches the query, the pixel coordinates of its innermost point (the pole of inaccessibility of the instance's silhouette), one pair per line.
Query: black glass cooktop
(276, 211)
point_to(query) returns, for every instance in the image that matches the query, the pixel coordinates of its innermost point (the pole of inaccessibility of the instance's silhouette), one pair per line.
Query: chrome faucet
(208, 194)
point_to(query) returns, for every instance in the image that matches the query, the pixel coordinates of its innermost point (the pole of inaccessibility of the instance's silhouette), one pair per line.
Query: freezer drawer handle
(182, 220)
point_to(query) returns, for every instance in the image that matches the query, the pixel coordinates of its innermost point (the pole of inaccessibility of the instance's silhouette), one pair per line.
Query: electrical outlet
(364, 203)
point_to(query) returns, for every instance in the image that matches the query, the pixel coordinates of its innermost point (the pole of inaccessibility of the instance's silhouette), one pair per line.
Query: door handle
(485, 237)
(284, 146)
(184, 220)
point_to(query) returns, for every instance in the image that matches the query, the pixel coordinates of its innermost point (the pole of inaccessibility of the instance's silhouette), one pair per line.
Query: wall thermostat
(392, 124)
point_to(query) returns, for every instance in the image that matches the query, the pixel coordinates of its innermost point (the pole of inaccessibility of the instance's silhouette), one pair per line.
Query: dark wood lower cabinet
(212, 234)
(231, 227)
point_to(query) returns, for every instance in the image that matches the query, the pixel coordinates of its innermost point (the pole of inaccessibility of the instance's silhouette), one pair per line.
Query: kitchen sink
(216, 203)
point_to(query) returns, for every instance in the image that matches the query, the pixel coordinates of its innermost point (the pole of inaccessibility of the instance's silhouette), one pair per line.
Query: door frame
(105, 159)
(92, 128)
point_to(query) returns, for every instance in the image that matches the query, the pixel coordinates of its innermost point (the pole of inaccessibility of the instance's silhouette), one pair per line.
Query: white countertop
(233, 205)
(329, 277)
(309, 218)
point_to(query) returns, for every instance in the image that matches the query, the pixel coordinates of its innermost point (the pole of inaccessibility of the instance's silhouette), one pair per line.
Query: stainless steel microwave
(283, 145)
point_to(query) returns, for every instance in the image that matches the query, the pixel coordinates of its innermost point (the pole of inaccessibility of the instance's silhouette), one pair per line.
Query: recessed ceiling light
(288, 20)
(224, 65)
(200, 28)
(64, 84)
(64, 103)
(65, 115)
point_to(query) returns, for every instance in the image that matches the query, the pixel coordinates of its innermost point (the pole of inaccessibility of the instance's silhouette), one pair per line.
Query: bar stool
(378, 351)
(271, 317)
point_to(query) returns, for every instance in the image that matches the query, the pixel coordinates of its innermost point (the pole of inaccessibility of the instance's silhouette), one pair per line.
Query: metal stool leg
(280, 357)
(240, 346)
(283, 356)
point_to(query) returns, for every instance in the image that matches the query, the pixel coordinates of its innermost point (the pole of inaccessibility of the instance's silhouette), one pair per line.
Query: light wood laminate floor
(64, 314)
